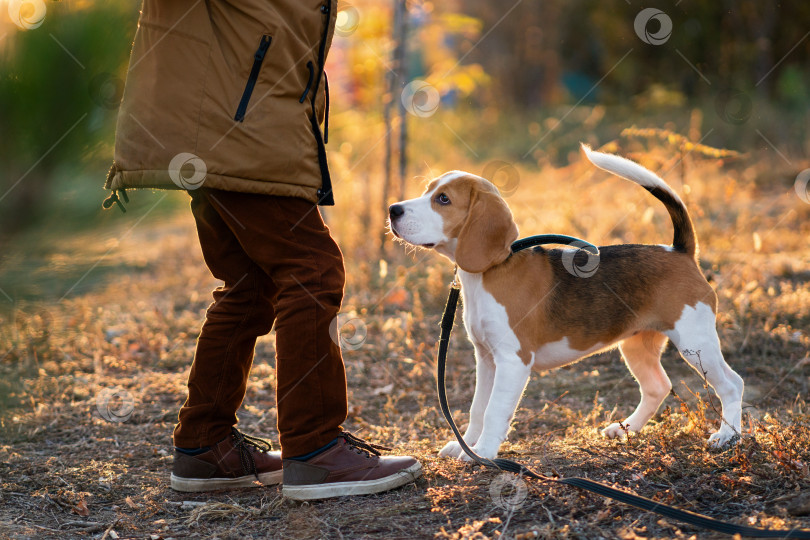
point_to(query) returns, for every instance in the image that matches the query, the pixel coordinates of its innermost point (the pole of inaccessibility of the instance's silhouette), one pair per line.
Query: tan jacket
(227, 94)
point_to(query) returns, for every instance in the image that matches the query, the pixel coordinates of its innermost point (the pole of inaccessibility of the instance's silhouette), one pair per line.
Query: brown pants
(279, 264)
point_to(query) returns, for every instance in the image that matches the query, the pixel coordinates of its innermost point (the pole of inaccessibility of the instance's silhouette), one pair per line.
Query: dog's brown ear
(487, 233)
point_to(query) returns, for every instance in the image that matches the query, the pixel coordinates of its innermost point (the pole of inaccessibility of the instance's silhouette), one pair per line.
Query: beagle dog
(544, 308)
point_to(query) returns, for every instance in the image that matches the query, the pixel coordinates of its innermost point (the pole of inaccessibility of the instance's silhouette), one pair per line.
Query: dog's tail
(684, 239)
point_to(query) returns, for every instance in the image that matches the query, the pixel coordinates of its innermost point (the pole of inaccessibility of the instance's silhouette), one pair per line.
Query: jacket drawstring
(115, 199)
(326, 115)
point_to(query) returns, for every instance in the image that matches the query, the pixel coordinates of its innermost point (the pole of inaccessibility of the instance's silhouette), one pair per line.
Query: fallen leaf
(398, 297)
(80, 508)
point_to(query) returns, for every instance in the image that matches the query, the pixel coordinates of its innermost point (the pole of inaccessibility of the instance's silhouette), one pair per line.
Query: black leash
(582, 483)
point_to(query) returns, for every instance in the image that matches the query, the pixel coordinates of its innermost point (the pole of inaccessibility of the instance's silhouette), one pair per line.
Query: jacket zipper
(325, 196)
(258, 58)
(309, 82)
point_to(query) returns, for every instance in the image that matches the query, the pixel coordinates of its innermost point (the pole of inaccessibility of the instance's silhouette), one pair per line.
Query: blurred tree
(530, 46)
(60, 85)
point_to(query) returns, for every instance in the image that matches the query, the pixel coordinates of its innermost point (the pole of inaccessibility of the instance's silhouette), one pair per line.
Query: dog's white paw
(486, 452)
(724, 436)
(454, 450)
(451, 450)
(615, 431)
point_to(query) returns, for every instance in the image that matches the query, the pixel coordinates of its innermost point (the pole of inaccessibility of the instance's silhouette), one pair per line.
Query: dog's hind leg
(695, 335)
(484, 378)
(642, 353)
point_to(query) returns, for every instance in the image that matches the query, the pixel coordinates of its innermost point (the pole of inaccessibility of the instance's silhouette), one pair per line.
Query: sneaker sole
(360, 487)
(213, 484)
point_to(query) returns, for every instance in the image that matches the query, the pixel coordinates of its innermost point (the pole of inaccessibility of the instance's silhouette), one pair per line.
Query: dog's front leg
(484, 375)
(511, 376)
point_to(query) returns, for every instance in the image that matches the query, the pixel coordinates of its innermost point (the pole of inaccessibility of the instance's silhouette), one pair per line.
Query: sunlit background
(522, 83)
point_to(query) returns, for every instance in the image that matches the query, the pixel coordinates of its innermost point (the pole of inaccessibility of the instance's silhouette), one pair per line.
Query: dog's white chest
(485, 319)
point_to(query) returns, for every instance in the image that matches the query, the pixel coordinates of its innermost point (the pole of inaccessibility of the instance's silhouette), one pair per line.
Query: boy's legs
(272, 252)
(275, 253)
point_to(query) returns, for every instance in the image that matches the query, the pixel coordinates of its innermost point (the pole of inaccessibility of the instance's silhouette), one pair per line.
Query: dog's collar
(541, 239)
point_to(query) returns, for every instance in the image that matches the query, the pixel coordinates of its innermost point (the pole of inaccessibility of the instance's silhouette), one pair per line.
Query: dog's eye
(443, 199)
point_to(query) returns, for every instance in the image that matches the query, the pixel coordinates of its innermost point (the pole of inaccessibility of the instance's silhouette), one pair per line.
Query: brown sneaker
(350, 467)
(237, 461)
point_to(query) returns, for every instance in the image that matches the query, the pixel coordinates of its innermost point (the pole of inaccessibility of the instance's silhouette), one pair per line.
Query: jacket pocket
(258, 59)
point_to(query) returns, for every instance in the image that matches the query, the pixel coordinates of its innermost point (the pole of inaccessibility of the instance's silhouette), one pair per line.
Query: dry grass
(67, 472)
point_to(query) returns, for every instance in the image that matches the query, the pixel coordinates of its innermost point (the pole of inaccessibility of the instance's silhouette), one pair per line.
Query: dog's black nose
(395, 210)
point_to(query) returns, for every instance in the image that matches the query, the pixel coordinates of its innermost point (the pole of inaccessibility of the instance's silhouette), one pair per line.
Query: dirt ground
(91, 381)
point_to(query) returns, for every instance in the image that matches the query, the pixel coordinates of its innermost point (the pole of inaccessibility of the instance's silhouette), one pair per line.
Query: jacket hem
(148, 179)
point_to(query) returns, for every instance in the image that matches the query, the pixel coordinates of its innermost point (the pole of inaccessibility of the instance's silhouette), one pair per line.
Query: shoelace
(361, 445)
(246, 445)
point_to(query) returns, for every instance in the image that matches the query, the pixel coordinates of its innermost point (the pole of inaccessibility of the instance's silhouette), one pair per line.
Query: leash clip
(455, 283)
